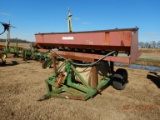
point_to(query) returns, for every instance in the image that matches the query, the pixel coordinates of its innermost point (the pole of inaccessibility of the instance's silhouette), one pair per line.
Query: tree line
(151, 44)
(14, 40)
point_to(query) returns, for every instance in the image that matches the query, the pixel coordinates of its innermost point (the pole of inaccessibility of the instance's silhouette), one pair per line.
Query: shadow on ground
(155, 78)
(12, 64)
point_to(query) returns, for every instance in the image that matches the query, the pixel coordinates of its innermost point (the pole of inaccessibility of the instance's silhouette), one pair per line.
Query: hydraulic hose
(86, 64)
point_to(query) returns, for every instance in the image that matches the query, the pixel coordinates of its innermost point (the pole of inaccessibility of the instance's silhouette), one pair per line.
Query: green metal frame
(15, 49)
(29, 54)
(74, 90)
(47, 63)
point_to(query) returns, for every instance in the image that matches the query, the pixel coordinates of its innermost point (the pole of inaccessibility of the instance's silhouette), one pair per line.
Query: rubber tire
(119, 83)
(45, 64)
(3, 59)
(4, 53)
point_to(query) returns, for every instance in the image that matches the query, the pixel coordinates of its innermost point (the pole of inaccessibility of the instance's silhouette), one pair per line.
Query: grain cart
(87, 60)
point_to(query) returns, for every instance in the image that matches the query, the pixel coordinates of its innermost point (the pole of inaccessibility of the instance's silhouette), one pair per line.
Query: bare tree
(151, 44)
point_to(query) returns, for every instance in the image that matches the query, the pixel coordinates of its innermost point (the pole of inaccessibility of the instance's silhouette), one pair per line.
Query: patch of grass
(149, 62)
(149, 51)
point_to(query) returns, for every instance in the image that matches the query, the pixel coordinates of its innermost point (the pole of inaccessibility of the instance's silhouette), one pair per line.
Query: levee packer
(87, 60)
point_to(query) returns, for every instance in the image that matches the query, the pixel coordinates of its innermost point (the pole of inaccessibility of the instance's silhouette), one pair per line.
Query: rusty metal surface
(89, 57)
(100, 38)
(54, 63)
(119, 38)
(43, 50)
(79, 46)
(94, 81)
(123, 40)
(109, 30)
(134, 53)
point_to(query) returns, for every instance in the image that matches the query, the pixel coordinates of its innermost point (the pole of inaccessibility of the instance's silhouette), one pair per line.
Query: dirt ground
(22, 83)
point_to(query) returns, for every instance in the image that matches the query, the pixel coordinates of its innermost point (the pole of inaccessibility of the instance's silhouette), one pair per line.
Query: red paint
(125, 40)
(113, 38)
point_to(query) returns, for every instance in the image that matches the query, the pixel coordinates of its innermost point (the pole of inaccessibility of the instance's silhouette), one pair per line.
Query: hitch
(62, 84)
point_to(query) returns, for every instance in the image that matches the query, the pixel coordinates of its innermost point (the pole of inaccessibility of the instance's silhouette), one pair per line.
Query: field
(20, 44)
(149, 57)
(22, 83)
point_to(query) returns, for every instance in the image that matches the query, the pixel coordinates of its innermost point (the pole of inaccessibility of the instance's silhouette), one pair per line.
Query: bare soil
(22, 83)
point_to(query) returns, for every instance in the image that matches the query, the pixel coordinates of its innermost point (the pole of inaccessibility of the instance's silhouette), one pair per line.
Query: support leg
(94, 82)
(54, 63)
(112, 67)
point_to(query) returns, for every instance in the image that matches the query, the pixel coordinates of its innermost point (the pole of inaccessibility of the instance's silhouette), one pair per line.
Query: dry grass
(19, 44)
(150, 51)
(149, 62)
(22, 83)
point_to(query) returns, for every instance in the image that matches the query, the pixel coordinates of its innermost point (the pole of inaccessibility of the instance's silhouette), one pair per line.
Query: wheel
(46, 64)
(120, 79)
(3, 55)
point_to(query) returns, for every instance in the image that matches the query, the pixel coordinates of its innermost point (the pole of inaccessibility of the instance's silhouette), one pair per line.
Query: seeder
(83, 62)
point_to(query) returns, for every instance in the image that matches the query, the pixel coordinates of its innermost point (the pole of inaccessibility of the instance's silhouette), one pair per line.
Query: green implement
(63, 85)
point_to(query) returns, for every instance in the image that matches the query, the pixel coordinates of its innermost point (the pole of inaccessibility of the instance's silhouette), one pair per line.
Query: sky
(42, 16)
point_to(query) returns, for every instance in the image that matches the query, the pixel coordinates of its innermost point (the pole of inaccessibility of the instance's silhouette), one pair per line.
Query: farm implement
(7, 48)
(27, 53)
(86, 64)
(3, 56)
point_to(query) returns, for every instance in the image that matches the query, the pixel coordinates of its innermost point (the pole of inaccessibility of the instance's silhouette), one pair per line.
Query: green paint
(84, 90)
